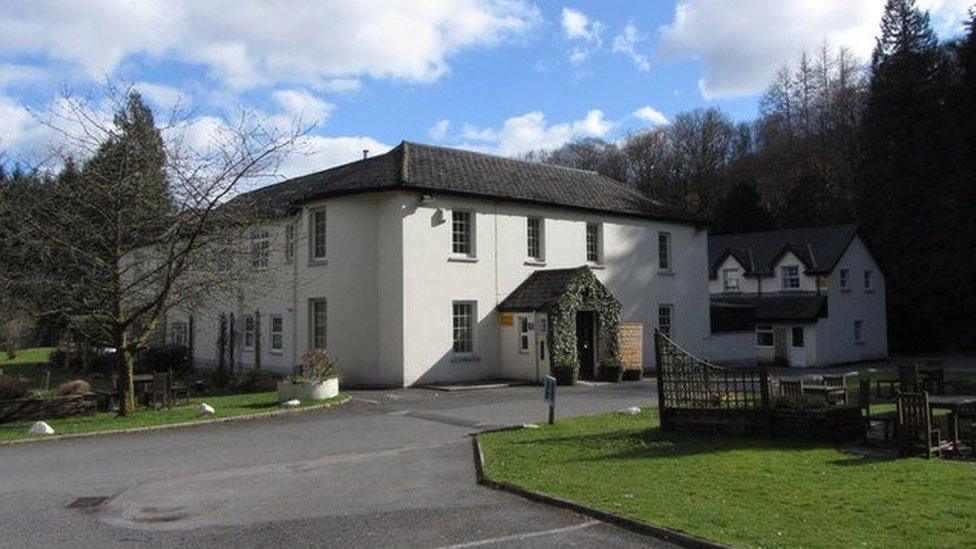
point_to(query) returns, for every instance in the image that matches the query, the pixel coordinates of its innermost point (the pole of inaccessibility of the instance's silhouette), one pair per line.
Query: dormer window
(730, 280)
(790, 275)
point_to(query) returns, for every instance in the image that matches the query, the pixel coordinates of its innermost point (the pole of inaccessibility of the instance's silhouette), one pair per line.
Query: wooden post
(764, 391)
(47, 380)
(661, 407)
(257, 340)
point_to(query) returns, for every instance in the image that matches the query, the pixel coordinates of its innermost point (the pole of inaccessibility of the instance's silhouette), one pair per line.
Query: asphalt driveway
(391, 468)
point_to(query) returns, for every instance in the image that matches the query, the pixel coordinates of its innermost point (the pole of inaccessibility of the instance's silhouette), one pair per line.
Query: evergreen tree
(742, 211)
(902, 194)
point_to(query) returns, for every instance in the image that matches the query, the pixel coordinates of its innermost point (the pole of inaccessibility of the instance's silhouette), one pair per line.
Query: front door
(798, 348)
(586, 343)
(782, 346)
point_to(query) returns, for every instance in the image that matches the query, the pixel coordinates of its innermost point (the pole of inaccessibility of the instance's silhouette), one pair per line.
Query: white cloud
(13, 74)
(340, 85)
(652, 116)
(320, 152)
(531, 131)
(162, 95)
(948, 16)
(627, 43)
(302, 106)
(577, 26)
(741, 44)
(247, 43)
(439, 130)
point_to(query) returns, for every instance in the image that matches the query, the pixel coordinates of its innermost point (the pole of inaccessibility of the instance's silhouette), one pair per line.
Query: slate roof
(735, 312)
(540, 290)
(818, 248)
(414, 166)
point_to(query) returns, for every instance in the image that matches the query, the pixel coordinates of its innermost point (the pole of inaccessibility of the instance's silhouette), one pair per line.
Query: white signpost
(549, 395)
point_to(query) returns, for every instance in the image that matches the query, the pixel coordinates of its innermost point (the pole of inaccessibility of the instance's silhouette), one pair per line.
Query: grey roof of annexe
(818, 248)
(540, 290)
(427, 168)
(735, 312)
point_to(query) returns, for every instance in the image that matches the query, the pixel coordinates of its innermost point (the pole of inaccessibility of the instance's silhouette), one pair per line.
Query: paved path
(391, 468)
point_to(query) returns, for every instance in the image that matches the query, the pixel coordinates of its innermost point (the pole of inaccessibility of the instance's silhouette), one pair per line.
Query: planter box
(322, 390)
(836, 423)
(22, 409)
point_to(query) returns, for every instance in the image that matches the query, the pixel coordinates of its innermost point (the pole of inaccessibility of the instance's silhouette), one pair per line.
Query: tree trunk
(124, 366)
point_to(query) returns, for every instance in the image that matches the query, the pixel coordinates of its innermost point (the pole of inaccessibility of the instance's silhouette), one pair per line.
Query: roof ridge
(509, 158)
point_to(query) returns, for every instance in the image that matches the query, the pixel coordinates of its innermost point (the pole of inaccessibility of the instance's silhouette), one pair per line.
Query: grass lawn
(225, 406)
(741, 491)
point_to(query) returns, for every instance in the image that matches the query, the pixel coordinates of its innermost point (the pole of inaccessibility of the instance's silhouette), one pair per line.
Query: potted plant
(566, 372)
(611, 369)
(316, 378)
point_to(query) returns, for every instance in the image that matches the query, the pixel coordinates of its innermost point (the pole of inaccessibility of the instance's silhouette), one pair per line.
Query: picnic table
(955, 405)
(828, 392)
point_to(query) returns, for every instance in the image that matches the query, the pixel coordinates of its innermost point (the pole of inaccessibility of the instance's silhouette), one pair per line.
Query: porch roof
(540, 290)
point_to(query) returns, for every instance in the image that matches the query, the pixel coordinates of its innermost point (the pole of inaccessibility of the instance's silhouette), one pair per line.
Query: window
(593, 252)
(248, 332)
(791, 277)
(796, 335)
(665, 318)
(869, 280)
(858, 331)
(664, 251)
(462, 241)
(277, 333)
(316, 235)
(178, 333)
(534, 238)
(730, 280)
(317, 323)
(845, 279)
(463, 315)
(259, 248)
(764, 336)
(524, 327)
(289, 242)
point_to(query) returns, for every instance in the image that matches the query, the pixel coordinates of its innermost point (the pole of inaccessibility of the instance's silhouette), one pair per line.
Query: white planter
(322, 390)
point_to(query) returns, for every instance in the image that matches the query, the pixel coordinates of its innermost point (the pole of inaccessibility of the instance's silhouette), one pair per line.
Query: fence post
(767, 407)
(662, 410)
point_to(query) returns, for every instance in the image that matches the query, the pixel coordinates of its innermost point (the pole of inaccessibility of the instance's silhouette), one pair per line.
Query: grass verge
(227, 406)
(740, 491)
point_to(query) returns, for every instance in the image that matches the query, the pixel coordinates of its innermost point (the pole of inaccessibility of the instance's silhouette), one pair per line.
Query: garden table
(954, 404)
(827, 391)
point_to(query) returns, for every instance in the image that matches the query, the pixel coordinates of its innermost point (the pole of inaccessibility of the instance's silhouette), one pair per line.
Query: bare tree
(150, 221)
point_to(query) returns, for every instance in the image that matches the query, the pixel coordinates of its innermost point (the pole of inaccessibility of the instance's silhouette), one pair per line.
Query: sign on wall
(507, 319)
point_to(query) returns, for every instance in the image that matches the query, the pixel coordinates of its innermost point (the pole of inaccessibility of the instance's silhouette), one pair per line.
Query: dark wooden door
(585, 343)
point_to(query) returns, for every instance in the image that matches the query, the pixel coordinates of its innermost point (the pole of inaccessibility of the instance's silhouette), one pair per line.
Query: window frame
(260, 248)
(179, 330)
(313, 343)
(539, 256)
(725, 280)
(763, 331)
(247, 332)
(844, 279)
(793, 332)
(524, 329)
(669, 308)
(868, 280)
(467, 220)
(472, 330)
(664, 252)
(314, 246)
(279, 333)
(858, 331)
(784, 277)
(597, 240)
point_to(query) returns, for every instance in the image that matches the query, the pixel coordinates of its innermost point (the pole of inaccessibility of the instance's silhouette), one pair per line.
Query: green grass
(741, 491)
(35, 355)
(224, 406)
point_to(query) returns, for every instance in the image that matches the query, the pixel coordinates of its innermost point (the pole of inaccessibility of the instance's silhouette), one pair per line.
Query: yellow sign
(508, 319)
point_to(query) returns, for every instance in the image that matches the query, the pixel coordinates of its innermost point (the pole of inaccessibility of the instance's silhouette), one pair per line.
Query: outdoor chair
(106, 390)
(887, 419)
(159, 391)
(178, 390)
(908, 378)
(932, 377)
(791, 387)
(915, 428)
(839, 380)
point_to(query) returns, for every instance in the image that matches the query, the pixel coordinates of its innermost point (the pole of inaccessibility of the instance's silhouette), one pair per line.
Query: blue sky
(503, 76)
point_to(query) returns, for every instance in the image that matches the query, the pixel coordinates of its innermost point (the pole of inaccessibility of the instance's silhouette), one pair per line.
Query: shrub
(255, 381)
(13, 387)
(611, 369)
(76, 387)
(317, 365)
(164, 358)
(565, 373)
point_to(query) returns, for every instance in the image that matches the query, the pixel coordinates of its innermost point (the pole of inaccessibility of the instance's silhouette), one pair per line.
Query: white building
(397, 265)
(803, 297)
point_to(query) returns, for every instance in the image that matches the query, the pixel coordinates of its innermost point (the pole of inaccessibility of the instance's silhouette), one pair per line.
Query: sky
(500, 76)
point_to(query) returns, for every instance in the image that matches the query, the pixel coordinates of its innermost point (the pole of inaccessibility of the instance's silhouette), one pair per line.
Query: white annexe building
(397, 264)
(799, 297)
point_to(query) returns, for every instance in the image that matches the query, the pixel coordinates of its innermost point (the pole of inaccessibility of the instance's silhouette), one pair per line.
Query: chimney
(365, 154)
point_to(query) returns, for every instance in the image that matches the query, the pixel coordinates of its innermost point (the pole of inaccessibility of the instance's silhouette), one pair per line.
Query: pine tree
(902, 192)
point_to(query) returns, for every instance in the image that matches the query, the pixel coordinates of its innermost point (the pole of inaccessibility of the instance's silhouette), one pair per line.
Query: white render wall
(844, 307)
(432, 280)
